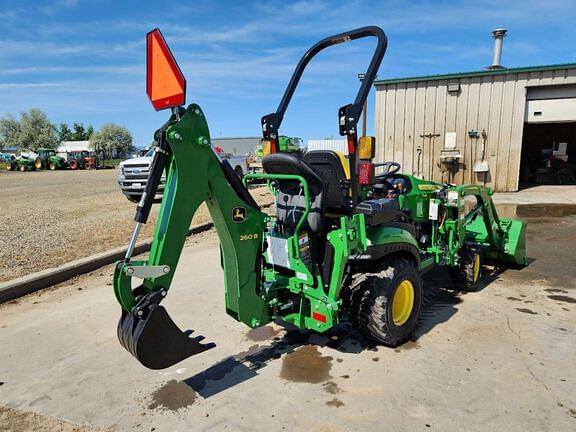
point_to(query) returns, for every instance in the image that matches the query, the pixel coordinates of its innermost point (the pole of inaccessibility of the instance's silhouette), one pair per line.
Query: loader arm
(195, 175)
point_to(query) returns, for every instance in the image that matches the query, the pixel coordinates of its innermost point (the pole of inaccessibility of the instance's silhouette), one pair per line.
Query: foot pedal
(155, 340)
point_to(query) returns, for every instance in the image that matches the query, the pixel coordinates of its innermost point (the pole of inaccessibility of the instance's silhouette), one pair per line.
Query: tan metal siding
(495, 103)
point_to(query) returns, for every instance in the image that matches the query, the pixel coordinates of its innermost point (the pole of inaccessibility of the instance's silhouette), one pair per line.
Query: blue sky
(81, 60)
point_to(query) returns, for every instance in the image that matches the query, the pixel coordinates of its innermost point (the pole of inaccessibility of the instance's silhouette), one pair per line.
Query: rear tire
(38, 163)
(389, 302)
(469, 271)
(10, 166)
(73, 164)
(239, 173)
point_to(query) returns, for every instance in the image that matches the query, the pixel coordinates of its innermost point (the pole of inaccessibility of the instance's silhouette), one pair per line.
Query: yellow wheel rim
(476, 267)
(403, 303)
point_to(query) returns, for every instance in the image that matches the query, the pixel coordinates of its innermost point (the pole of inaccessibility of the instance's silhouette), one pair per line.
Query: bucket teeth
(155, 340)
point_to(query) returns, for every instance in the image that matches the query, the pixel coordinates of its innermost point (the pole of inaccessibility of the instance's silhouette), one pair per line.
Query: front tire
(390, 302)
(467, 275)
(38, 163)
(53, 166)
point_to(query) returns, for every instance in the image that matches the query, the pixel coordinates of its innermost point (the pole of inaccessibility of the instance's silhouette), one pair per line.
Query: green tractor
(47, 159)
(24, 162)
(349, 241)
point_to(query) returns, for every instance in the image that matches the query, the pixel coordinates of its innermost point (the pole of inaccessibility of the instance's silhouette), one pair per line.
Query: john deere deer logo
(239, 214)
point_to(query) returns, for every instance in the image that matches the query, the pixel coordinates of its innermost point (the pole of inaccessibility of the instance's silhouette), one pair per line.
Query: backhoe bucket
(155, 340)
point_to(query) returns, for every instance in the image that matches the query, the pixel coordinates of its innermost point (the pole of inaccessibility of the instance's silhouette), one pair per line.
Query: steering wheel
(389, 169)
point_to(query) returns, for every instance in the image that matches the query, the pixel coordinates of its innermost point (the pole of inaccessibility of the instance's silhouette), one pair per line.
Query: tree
(79, 133)
(89, 132)
(9, 132)
(112, 138)
(36, 131)
(64, 132)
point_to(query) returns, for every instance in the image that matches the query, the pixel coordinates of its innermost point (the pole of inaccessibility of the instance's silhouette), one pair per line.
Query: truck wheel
(390, 301)
(38, 163)
(469, 271)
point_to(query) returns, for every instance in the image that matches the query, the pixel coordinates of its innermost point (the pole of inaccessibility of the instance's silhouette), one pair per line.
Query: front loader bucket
(514, 248)
(155, 340)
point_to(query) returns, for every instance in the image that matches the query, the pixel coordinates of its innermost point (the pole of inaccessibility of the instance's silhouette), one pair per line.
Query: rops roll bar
(348, 114)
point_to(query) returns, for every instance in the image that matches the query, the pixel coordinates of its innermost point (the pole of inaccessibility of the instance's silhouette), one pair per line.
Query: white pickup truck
(134, 174)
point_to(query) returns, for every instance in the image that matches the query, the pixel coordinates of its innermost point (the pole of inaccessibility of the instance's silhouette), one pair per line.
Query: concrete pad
(498, 359)
(542, 194)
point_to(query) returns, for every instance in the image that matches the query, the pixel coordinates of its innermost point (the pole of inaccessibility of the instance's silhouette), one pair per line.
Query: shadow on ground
(440, 307)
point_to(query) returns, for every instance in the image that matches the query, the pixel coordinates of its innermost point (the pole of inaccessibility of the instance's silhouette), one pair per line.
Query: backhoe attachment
(195, 175)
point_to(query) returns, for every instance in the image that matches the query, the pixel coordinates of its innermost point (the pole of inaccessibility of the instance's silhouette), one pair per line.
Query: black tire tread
(370, 301)
(463, 275)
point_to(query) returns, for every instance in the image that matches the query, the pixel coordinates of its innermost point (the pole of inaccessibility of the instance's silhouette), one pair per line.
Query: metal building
(436, 126)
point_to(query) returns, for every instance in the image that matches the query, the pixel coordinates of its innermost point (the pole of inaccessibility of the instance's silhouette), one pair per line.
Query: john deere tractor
(349, 241)
(47, 159)
(24, 162)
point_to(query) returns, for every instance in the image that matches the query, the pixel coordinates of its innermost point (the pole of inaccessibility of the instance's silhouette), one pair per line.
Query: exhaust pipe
(498, 35)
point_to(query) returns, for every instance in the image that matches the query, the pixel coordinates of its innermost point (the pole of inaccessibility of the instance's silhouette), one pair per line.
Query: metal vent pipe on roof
(498, 35)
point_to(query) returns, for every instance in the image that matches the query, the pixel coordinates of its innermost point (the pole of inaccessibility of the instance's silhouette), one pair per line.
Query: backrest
(290, 202)
(330, 167)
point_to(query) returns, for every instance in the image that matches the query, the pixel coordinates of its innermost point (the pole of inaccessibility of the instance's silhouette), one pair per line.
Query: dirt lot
(499, 359)
(49, 218)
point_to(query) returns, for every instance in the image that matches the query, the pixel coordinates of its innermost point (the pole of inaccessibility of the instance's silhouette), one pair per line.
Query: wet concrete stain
(527, 311)
(536, 211)
(410, 345)
(335, 403)
(513, 298)
(261, 334)
(562, 298)
(375, 359)
(306, 364)
(172, 396)
(332, 388)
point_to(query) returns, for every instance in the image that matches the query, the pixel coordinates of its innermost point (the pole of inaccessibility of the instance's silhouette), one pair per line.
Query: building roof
(504, 71)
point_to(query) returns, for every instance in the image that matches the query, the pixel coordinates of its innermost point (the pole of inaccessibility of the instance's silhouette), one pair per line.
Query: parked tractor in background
(286, 144)
(24, 162)
(80, 160)
(47, 159)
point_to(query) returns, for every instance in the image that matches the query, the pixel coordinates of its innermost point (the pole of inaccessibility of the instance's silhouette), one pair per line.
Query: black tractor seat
(328, 165)
(290, 201)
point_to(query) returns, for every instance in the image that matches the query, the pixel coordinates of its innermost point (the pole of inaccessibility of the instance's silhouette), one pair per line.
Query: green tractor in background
(286, 144)
(47, 159)
(22, 163)
(349, 241)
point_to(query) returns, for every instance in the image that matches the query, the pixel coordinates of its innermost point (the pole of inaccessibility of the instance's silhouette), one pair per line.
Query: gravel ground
(50, 218)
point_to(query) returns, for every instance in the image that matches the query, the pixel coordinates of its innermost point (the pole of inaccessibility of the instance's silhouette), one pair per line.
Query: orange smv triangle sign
(165, 83)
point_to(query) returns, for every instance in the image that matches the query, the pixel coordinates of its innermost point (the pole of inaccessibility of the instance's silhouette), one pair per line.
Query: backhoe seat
(329, 166)
(290, 200)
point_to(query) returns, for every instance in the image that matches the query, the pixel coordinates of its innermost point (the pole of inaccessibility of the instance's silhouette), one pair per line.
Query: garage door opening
(548, 154)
